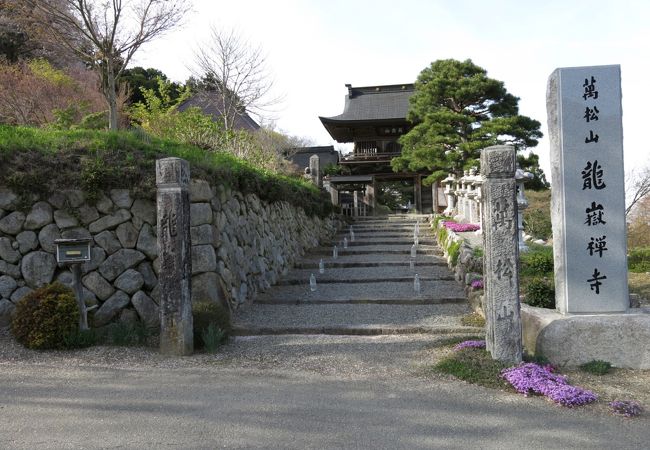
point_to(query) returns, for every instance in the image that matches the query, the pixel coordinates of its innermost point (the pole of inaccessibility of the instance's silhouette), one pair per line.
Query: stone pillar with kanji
(174, 252)
(501, 254)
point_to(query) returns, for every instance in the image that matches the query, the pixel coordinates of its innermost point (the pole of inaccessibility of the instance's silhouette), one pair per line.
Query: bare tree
(638, 187)
(106, 33)
(236, 71)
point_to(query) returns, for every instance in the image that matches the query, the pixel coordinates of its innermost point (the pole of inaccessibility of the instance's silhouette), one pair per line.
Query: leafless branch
(238, 74)
(638, 186)
(106, 34)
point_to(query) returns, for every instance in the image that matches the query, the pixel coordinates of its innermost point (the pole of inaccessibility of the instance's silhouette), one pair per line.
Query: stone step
(404, 249)
(366, 274)
(352, 319)
(401, 292)
(393, 217)
(340, 263)
(368, 260)
(384, 227)
(387, 241)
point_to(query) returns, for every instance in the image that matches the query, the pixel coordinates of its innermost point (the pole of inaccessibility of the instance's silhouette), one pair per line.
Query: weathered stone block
(74, 198)
(147, 309)
(121, 198)
(129, 316)
(203, 259)
(76, 233)
(8, 199)
(27, 241)
(19, 293)
(111, 308)
(119, 262)
(130, 281)
(88, 214)
(63, 219)
(38, 268)
(203, 234)
(107, 241)
(98, 285)
(9, 269)
(127, 234)
(577, 339)
(12, 223)
(7, 286)
(97, 256)
(200, 213)
(148, 275)
(147, 242)
(144, 210)
(104, 204)
(200, 191)
(109, 222)
(206, 287)
(7, 251)
(7, 310)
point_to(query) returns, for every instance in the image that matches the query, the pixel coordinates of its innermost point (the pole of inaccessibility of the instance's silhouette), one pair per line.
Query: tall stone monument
(588, 195)
(174, 252)
(314, 170)
(501, 254)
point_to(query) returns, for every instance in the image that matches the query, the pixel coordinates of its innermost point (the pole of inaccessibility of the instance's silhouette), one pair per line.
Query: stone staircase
(367, 290)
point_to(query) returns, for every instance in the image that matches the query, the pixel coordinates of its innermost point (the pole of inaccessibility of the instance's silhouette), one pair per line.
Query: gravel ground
(448, 315)
(372, 358)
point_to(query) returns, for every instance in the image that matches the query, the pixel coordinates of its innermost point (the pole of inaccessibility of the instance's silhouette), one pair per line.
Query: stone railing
(240, 246)
(464, 196)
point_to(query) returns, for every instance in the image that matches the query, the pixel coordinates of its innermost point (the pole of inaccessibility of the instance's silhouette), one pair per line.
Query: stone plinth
(588, 196)
(620, 339)
(174, 250)
(501, 254)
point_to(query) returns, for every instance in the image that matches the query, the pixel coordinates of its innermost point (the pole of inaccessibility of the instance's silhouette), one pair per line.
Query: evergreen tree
(457, 110)
(530, 164)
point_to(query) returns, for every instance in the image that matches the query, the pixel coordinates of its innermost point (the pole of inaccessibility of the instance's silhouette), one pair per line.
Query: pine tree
(457, 110)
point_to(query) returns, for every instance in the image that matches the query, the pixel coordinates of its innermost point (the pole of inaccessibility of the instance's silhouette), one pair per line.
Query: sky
(315, 47)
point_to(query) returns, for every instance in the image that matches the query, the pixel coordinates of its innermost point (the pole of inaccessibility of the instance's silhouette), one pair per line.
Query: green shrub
(212, 338)
(540, 292)
(94, 121)
(638, 260)
(537, 223)
(537, 261)
(454, 252)
(81, 339)
(46, 318)
(125, 334)
(206, 314)
(596, 367)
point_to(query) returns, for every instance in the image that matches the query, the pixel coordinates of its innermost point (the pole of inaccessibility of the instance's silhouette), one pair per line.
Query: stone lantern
(522, 203)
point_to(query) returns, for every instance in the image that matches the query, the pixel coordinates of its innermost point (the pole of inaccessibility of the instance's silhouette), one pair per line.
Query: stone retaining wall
(468, 266)
(240, 246)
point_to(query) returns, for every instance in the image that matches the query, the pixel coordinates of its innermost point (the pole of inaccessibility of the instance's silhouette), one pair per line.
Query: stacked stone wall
(240, 246)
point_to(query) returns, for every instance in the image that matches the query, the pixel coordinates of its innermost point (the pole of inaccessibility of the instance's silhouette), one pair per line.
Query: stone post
(355, 203)
(501, 254)
(588, 195)
(174, 252)
(314, 170)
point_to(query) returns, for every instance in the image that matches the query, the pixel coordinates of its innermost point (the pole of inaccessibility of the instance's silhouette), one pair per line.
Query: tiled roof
(207, 101)
(375, 103)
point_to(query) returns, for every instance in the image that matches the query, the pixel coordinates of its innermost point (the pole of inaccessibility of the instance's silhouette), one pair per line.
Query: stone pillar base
(620, 339)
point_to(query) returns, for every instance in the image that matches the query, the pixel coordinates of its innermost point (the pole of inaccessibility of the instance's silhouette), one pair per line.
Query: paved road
(52, 407)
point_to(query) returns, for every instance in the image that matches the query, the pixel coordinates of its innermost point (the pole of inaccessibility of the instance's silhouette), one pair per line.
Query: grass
(473, 320)
(474, 366)
(38, 162)
(639, 283)
(596, 367)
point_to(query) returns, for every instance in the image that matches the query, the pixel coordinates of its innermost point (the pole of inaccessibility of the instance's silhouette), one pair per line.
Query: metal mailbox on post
(75, 252)
(72, 250)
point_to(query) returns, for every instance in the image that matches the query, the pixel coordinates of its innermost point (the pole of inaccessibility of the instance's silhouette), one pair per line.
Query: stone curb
(243, 330)
(382, 301)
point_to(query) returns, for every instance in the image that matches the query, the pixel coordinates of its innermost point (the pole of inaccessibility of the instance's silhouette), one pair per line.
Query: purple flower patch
(469, 344)
(627, 408)
(461, 227)
(477, 284)
(531, 378)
